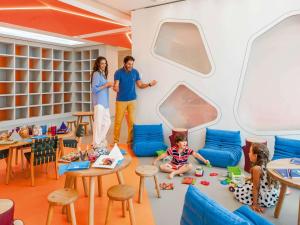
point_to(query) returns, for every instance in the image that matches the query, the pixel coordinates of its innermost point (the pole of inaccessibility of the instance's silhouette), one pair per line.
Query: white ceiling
(129, 5)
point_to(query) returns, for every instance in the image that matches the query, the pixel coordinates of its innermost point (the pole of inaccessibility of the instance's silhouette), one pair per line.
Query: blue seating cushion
(149, 133)
(286, 148)
(252, 217)
(198, 209)
(222, 138)
(147, 148)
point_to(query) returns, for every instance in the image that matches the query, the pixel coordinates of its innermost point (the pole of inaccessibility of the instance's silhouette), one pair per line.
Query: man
(125, 80)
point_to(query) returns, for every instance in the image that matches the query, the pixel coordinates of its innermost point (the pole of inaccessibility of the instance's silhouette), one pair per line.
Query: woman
(100, 101)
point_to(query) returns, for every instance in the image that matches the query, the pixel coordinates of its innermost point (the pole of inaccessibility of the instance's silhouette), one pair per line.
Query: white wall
(228, 25)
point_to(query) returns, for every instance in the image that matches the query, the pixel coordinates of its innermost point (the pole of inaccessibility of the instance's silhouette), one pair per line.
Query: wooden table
(22, 143)
(80, 116)
(92, 173)
(285, 182)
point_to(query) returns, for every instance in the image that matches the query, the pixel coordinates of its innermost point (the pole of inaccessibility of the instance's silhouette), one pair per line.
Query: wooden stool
(147, 171)
(85, 125)
(123, 193)
(62, 197)
(70, 124)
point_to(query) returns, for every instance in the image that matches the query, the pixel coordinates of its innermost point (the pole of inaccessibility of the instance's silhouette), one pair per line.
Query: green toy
(209, 165)
(235, 174)
(160, 152)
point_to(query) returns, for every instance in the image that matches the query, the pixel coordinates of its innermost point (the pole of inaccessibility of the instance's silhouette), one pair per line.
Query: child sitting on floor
(180, 154)
(259, 191)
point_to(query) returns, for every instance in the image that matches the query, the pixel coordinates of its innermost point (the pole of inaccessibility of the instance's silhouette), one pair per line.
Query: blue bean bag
(147, 139)
(198, 209)
(222, 148)
(286, 148)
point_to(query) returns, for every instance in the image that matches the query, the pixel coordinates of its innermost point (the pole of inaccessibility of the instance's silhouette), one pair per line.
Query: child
(180, 154)
(259, 191)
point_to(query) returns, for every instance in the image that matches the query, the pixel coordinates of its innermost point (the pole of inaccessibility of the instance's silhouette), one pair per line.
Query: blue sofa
(222, 148)
(286, 148)
(198, 209)
(147, 139)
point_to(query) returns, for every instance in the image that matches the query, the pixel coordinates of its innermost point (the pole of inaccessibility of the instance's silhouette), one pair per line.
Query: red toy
(204, 182)
(213, 174)
(166, 186)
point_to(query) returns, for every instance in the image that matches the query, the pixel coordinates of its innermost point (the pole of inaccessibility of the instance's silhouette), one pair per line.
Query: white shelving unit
(39, 80)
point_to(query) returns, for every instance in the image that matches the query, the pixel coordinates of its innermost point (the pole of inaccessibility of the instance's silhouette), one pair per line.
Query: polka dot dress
(268, 195)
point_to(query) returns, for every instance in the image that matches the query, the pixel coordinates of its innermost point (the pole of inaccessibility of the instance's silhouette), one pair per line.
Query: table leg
(280, 200)
(78, 121)
(91, 200)
(61, 147)
(9, 162)
(120, 177)
(91, 123)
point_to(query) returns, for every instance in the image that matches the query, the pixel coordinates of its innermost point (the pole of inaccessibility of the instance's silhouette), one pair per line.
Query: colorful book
(295, 161)
(188, 180)
(81, 165)
(109, 161)
(288, 173)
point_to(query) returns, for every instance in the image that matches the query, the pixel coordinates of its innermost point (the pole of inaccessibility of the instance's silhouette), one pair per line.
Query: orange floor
(31, 202)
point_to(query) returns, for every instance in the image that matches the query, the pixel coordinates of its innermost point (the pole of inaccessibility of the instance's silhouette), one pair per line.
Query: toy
(160, 152)
(213, 174)
(71, 157)
(166, 186)
(235, 174)
(63, 129)
(24, 132)
(209, 165)
(205, 183)
(199, 171)
(231, 188)
(188, 180)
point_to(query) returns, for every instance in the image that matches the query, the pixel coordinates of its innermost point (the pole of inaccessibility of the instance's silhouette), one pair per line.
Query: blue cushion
(198, 209)
(286, 148)
(252, 217)
(147, 139)
(222, 147)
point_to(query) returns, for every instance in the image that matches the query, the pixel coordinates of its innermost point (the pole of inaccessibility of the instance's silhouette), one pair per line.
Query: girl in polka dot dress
(258, 191)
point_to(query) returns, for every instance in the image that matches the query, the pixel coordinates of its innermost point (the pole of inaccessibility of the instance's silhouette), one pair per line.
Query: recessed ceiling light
(38, 36)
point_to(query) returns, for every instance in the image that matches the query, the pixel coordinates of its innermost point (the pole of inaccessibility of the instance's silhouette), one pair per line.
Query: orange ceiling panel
(119, 39)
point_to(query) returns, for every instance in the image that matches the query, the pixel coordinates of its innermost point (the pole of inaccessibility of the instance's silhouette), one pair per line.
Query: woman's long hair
(97, 67)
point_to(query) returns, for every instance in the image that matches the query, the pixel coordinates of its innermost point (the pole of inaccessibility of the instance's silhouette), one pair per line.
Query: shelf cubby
(21, 50)
(86, 76)
(77, 107)
(78, 87)
(68, 108)
(46, 64)
(77, 76)
(34, 75)
(34, 99)
(6, 48)
(46, 87)
(86, 55)
(21, 113)
(34, 87)
(6, 75)
(86, 97)
(57, 65)
(57, 87)
(58, 98)
(85, 65)
(46, 76)
(77, 66)
(86, 86)
(67, 87)
(34, 111)
(58, 76)
(34, 52)
(67, 66)
(92, 64)
(6, 114)
(57, 109)
(21, 75)
(21, 88)
(6, 61)
(86, 107)
(21, 100)
(47, 110)
(67, 97)
(21, 63)
(57, 54)
(6, 88)
(78, 55)
(67, 55)
(67, 76)
(46, 53)
(34, 64)
(46, 99)
(6, 102)
(94, 53)
(77, 97)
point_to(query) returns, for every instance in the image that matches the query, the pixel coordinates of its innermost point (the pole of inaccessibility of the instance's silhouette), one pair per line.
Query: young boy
(180, 154)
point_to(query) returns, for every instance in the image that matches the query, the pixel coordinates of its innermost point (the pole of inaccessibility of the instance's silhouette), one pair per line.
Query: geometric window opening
(182, 43)
(269, 93)
(184, 108)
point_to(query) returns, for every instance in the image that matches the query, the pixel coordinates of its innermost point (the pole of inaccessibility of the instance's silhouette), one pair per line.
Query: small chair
(70, 124)
(62, 197)
(85, 125)
(43, 151)
(147, 171)
(123, 193)
(286, 148)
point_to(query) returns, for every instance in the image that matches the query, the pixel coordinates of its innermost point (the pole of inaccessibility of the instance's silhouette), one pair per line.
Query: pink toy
(213, 174)
(204, 182)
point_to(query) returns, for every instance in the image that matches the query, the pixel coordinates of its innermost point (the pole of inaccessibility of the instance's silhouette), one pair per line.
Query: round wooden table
(80, 116)
(92, 173)
(285, 182)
